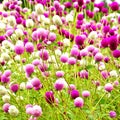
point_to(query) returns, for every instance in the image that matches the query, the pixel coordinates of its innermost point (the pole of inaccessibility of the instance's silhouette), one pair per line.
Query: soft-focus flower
(108, 87)
(13, 110)
(79, 102)
(112, 114)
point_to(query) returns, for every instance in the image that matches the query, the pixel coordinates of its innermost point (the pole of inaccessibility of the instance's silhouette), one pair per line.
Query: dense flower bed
(59, 60)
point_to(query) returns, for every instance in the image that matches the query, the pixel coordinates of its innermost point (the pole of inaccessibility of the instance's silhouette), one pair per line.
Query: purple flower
(113, 42)
(80, 2)
(35, 82)
(52, 37)
(106, 29)
(14, 87)
(19, 49)
(98, 57)
(60, 73)
(79, 102)
(29, 47)
(83, 74)
(72, 61)
(85, 93)
(80, 17)
(116, 53)
(49, 97)
(105, 42)
(74, 52)
(79, 40)
(74, 94)
(108, 87)
(5, 79)
(6, 107)
(64, 58)
(44, 54)
(59, 84)
(29, 69)
(114, 6)
(112, 114)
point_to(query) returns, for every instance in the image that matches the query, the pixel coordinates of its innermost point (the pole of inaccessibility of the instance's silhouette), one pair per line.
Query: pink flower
(79, 102)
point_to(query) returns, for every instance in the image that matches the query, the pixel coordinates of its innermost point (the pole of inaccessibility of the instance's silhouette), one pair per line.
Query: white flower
(20, 27)
(22, 86)
(69, 18)
(58, 52)
(93, 35)
(113, 73)
(83, 62)
(102, 66)
(2, 26)
(3, 90)
(17, 58)
(19, 32)
(19, 42)
(13, 110)
(39, 9)
(66, 42)
(53, 27)
(5, 56)
(11, 20)
(57, 20)
(29, 23)
(6, 98)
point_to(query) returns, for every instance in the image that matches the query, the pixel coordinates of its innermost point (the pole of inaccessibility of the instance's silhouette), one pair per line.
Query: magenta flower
(19, 49)
(5, 79)
(64, 58)
(79, 102)
(85, 93)
(14, 87)
(108, 87)
(29, 69)
(35, 82)
(114, 6)
(72, 61)
(60, 74)
(59, 84)
(83, 74)
(74, 94)
(44, 54)
(6, 107)
(29, 47)
(112, 114)
(49, 97)
(79, 40)
(116, 53)
(98, 57)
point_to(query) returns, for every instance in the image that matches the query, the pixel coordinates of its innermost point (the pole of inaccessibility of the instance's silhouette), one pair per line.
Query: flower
(72, 61)
(98, 57)
(49, 97)
(6, 107)
(112, 114)
(29, 69)
(29, 47)
(19, 49)
(13, 110)
(59, 84)
(74, 94)
(85, 93)
(114, 6)
(78, 102)
(108, 87)
(35, 82)
(14, 87)
(116, 53)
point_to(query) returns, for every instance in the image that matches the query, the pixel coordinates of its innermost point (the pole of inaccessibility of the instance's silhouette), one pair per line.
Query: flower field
(59, 60)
